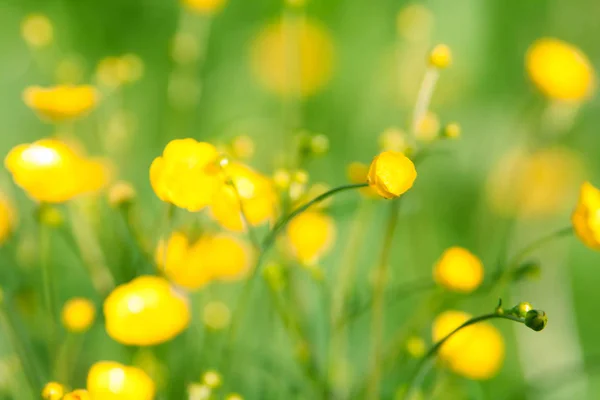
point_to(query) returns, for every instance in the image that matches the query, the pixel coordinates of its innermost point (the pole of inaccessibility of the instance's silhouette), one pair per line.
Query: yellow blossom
(428, 127)
(415, 346)
(7, 218)
(391, 174)
(216, 315)
(458, 270)
(452, 131)
(310, 235)
(53, 391)
(145, 311)
(37, 30)
(440, 56)
(357, 173)
(212, 379)
(560, 70)
(79, 394)
(255, 192)
(51, 172)
(78, 314)
(311, 46)
(116, 71)
(62, 102)
(121, 193)
(211, 257)
(476, 352)
(586, 217)
(109, 380)
(205, 6)
(186, 174)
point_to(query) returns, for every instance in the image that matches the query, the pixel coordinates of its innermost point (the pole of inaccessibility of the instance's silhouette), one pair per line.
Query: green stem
(424, 364)
(48, 287)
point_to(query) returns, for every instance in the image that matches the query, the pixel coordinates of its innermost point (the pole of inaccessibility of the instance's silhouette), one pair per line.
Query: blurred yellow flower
(440, 56)
(62, 102)
(586, 217)
(452, 131)
(428, 127)
(212, 379)
(53, 391)
(535, 184)
(205, 6)
(476, 352)
(391, 174)
(216, 315)
(78, 394)
(414, 22)
(121, 193)
(459, 270)
(113, 72)
(8, 218)
(187, 174)
(109, 380)
(211, 257)
(37, 30)
(256, 193)
(242, 147)
(78, 314)
(560, 70)
(145, 312)
(310, 235)
(393, 139)
(415, 346)
(293, 57)
(51, 172)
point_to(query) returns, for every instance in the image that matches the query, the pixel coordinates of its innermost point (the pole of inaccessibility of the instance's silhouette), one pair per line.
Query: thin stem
(424, 364)
(48, 287)
(378, 300)
(424, 97)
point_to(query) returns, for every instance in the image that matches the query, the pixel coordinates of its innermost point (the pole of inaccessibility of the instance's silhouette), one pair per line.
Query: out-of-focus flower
(8, 218)
(310, 235)
(452, 131)
(586, 217)
(216, 315)
(51, 172)
(560, 70)
(53, 391)
(534, 184)
(393, 139)
(428, 127)
(459, 270)
(187, 174)
(212, 257)
(440, 56)
(212, 379)
(78, 314)
(357, 173)
(255, 192)
(205, 6)
(144, 312)
(319, 144)
(415, 23)
(109, 380)
(300, 45)
(233, 396)
(37, 30)
(121, 193)
(79, 394)
(476, 351)
(116, 71)
(62, 102)
(391, 174)
(242, 147)
(415, 346)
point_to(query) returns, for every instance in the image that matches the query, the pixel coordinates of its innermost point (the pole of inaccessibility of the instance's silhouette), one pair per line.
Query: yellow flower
(560, 70)
(414, 23)
(586, 217)
(212, 379)
(121, 193)
(62, 102)
(452, 131)
(310, 235)
(205, 6)
(109, 380)
(216, 315)
(186, 175)
(78, 314)
(53, 391)
(357, 173)
(458, 270)
(311, 46)
(257, 195)
(37, 30)
(428, 127)
(415, 346)
(51, 172)
(476, 351)
(391, 174)
(116, 71)
(440, 57)
(144, 312)
(7, 218)
(78, 394)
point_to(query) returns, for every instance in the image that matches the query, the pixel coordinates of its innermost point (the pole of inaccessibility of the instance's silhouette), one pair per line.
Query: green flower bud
(521, 309)
(536, 320)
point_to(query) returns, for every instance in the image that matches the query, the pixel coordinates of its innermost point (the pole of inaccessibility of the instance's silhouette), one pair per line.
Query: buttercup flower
(211, 257)
(391, 174)
(310, 235)
(37, 30)
(53, 391)
(205, 6)
(271, 63)
(440, 57)
(458, 270)
(62, 102)
(7, 218)
(586, 217)
(476, 351)
(109, 380)
(51, 172)
(186, 175)
(78, 394)
(560, 70)
(78, 314)
(256, 193)
(145, 312)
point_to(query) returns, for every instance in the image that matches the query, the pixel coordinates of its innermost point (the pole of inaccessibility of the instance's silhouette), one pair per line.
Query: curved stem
(423, 365)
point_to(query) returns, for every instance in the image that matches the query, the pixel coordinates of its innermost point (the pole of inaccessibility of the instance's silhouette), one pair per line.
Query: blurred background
(214, 77)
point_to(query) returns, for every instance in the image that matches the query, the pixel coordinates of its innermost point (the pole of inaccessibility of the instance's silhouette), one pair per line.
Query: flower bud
(440, 57)
(319, 144)
(451, 131)
(536, 320)
(521, 309)
(53, 391)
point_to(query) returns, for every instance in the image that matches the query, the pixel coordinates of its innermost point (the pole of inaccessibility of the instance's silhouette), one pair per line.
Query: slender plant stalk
(424, 97)
(48, 287)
